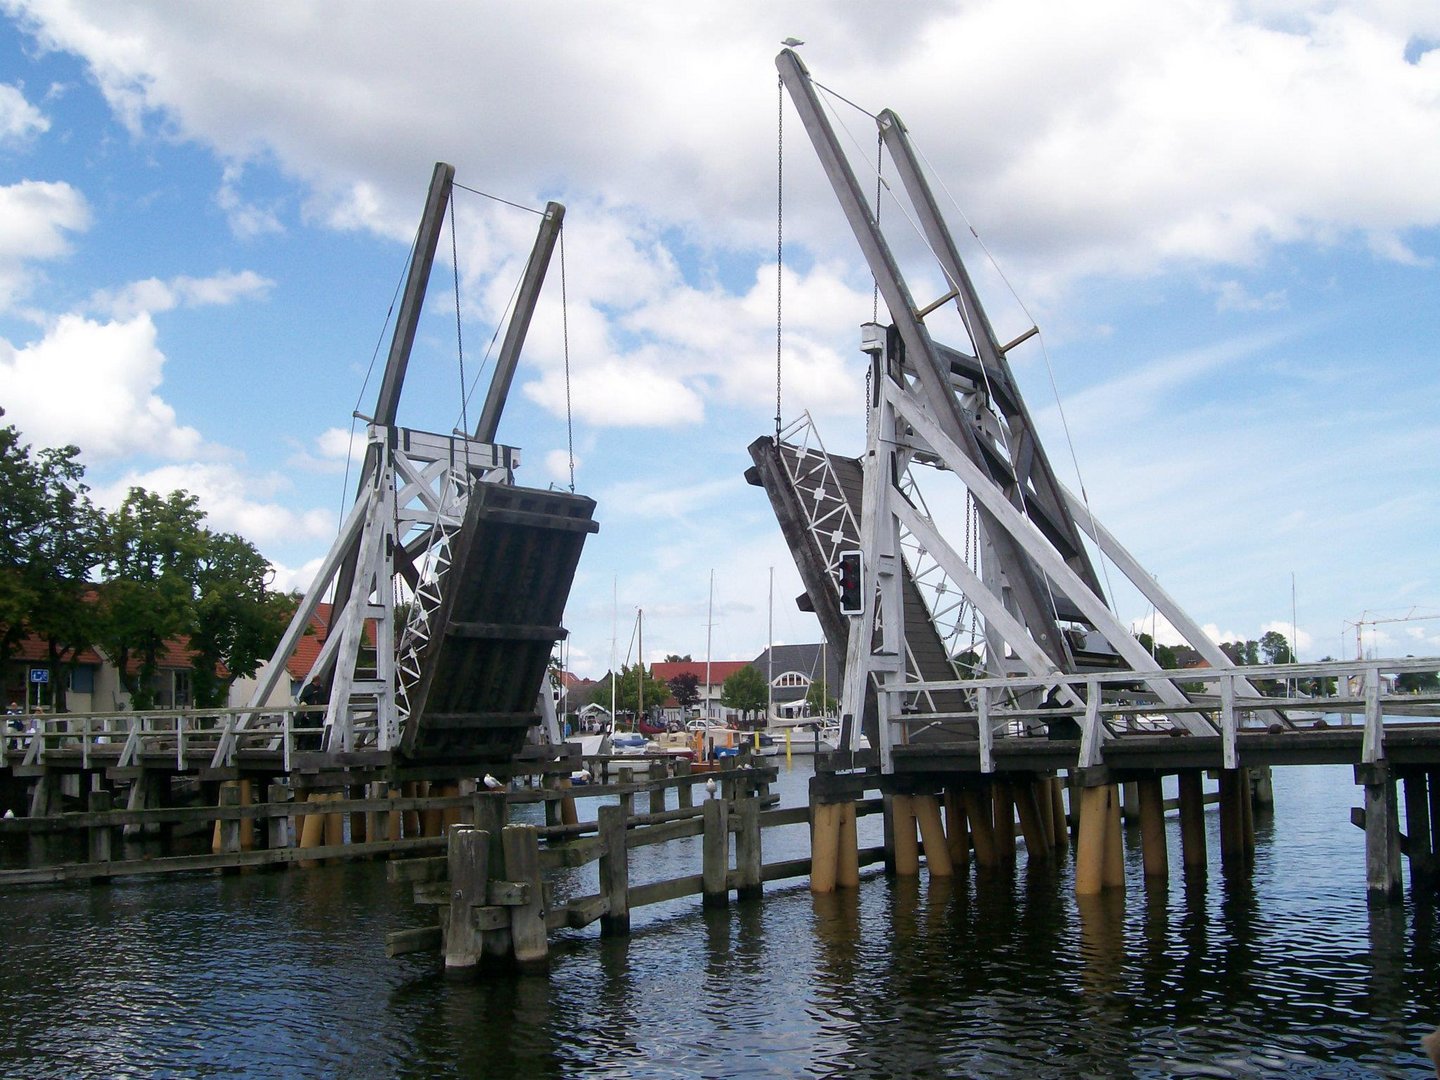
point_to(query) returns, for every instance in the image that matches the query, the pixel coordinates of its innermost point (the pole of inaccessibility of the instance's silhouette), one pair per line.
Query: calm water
(1286, 974)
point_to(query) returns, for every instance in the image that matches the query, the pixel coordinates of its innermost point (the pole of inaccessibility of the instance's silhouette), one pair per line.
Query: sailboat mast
(640, 659)
(770, 655)
(709, 626)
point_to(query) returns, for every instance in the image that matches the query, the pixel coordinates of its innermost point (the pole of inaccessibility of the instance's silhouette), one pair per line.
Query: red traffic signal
(852, 595)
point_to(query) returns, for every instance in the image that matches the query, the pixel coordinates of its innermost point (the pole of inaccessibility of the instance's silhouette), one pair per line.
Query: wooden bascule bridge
(991, 693)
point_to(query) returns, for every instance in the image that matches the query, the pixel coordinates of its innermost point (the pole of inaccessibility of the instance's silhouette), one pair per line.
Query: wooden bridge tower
(946, 413)
(485, 564)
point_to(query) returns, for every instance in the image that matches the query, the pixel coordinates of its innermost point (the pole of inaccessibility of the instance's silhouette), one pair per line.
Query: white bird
(9, 815)
(491, 783)
(711, 787)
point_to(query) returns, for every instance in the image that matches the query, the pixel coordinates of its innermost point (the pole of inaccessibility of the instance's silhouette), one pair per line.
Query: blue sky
(1224, 217)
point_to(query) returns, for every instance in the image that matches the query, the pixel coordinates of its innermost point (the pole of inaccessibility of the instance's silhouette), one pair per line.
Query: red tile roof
(720, 670)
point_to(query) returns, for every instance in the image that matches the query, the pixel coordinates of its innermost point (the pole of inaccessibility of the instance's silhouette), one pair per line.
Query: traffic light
(852, 595)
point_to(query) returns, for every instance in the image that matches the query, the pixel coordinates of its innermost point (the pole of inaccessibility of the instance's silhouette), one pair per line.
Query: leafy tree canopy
(745, 691)
(685, 689)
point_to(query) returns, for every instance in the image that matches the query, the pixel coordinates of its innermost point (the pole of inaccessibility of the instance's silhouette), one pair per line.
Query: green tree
(238, 621)
(61, 551)
(22, 510)
(819, 699)
(1274, 649)
(745, 691)
(627, 690)
(152, 547)
(1417, 682)
(1164, 655)
(1241, 652)
(676, 658)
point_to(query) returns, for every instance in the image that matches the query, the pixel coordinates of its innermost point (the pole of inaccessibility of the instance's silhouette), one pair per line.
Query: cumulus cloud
(153, 295)
(234, 500)
(94, 384)
(35, 217)
(19, 120)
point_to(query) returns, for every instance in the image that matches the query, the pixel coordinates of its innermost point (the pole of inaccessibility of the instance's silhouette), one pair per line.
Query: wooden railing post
(614, 871)
(715, 869)
(529, 942)
(748, 860)
(277, 826)
(101, 836)
(468, 858)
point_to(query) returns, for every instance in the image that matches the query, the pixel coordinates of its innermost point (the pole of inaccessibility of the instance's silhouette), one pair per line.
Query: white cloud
(1233, 296)
(247, 220)
(234, 500)
(153, 295)
(18, 118)
(94, 384)
(34, 218)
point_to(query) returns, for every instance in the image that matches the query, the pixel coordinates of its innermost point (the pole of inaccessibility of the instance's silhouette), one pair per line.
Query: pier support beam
(1234, 832)
(1382, 833)
(1099, 857)
(824, 846)
(715, 868)
(1418, 832)
(902, 824)
(982, 832)
(1152, 827)
(847, 870)
(1003, 800)
(957, 832)
(614, 871)
(932, 835)
(1032, 825)
(1192, 819)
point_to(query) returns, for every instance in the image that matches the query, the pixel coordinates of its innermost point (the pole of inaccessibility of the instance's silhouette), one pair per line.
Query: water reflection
(1285, 972)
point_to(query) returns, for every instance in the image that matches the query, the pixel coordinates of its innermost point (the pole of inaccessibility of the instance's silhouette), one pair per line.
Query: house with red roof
(708, 684)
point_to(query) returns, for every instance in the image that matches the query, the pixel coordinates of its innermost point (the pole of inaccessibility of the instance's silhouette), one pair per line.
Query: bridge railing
(1113, 705)
(191, 736)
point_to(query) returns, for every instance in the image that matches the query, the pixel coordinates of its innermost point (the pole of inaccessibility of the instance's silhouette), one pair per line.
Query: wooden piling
(1037, 844)
(1417, 825)
(1232, 818)
(277, 832)
(657, 793)
(1114, 868)
(334, 823)
(432, 821)
(982, 833)
(847, 856)
(1434, 778)
(1090, 846)
(1003, 801)
(906, 848)
(1152, 827)
(102, 837)
(1192, 819)
(530, 945)
(614, 871)
(1382, 834)
(932, 835)
(1040, 792)
(1061, 818)
(748, 860)
(957, 832)
(468, 858)
(715, 855)
(230, 828)
(1247, 803)
(824, 846)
